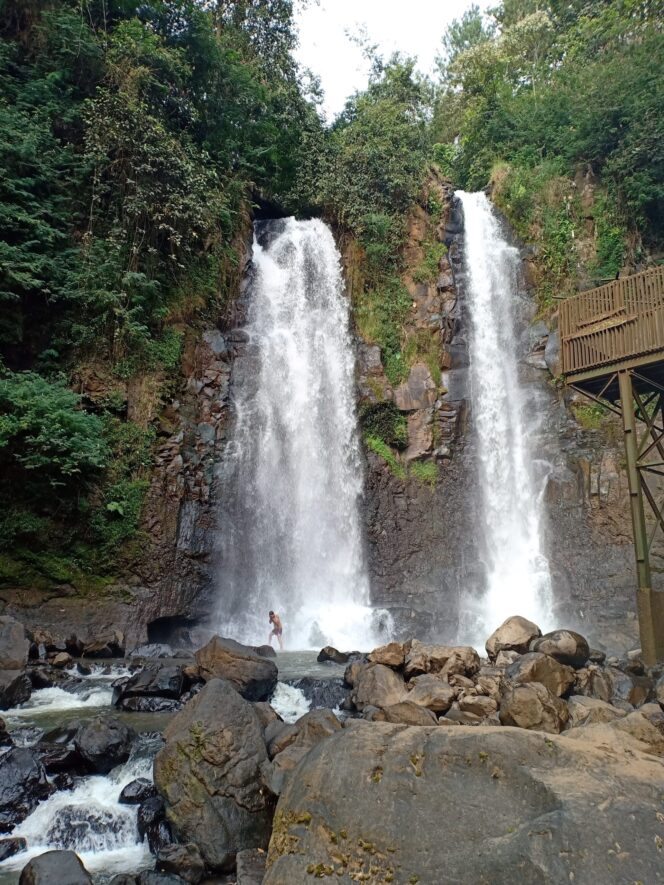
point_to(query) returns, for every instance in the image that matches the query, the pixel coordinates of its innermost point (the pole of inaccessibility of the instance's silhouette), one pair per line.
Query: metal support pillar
(650, 604)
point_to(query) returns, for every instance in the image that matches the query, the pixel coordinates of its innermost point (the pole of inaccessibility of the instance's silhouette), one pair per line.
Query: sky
(414, 27)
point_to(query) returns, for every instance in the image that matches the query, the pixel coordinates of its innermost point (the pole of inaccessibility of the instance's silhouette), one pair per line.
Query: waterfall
(517, 571)
(291, 534)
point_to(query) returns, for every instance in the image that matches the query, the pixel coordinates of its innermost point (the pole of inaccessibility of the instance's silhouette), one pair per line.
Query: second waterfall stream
(291, 531)
(518, 580)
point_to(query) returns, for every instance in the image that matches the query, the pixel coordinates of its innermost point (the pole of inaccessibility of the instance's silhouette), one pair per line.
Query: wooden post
(650, 606)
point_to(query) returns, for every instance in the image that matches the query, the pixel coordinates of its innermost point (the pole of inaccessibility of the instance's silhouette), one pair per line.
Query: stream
(88, 818)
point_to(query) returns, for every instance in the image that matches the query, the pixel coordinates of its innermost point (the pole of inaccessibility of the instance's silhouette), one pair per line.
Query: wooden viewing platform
(612, 347)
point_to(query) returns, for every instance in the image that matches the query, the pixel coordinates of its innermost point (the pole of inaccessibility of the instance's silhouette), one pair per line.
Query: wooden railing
(619, 321)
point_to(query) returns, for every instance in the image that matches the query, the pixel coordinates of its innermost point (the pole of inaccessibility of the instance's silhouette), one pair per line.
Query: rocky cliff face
(422, 539)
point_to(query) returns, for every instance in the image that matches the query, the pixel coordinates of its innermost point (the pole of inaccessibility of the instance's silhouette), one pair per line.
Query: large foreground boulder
(55, 868)
(211, 775)
(386, 803)
(376, 685)
(251, 674)
(537, 667)
(15, 688)
(533, 706)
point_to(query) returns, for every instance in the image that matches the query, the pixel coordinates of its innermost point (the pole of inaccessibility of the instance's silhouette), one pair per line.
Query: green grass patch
(427, 270)
(380, 448)
(380, 314)
(589, 416)
(425, 472)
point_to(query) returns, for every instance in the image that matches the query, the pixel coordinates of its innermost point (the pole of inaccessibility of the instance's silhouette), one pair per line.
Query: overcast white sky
(414, 27)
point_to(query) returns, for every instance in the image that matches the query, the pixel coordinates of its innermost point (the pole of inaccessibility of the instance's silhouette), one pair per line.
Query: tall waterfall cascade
(291, 530)
(511, 480)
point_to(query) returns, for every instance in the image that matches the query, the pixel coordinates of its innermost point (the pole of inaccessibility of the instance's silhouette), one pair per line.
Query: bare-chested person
(277, 630)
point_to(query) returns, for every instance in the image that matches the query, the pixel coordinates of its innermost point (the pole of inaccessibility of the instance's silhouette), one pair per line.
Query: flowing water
(512, 482)
(291, 533)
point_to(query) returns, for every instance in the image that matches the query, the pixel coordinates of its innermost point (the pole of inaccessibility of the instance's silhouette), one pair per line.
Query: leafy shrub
(380, 448)
(384, 421)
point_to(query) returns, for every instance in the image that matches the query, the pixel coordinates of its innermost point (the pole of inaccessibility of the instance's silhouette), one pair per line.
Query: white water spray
(518, 578)
(291, 535)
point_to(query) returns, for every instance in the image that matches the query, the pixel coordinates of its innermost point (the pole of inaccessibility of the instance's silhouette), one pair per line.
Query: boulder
(458, 716)
(152, 824)
(211, 775)
(156, 680)
(295, 741)
(59, 757)
(23, 785)
(150, 704)
(104, 742)
(108, 646)
(382, 802)
(405, 713)
(589, 711)
(391, 655)
(659, 691)
(11, 846)
(533, 706)
(154, 877)
(184, 861)
(55, 868)
(537, 667)
(14, 645)
(566, 646)
(331, 655)
(254, 676)
(250, 867)
(514, 634)
(378, 686)
(623, 734)
(137, 791)
(152, 650)
(479, 705)
(15, 688)
(329, 693)
(629, 688)
(444, 659)
(431, 692)
(62, 659)
(5, 737)
(505, 658)
(593, 682)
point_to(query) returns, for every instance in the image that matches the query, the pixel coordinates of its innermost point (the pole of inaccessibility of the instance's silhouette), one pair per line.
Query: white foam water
(90, 821)
(53, 700)
(289, 702)
(518, 577)
(291, 532)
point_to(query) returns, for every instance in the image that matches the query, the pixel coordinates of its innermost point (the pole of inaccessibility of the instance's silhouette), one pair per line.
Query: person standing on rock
(277, 630)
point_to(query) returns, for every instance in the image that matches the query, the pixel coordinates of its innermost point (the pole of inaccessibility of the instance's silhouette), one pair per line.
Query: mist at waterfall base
(511, 480)
(291, 532)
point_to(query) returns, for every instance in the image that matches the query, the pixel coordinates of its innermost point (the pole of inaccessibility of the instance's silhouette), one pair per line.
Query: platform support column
(650, 605)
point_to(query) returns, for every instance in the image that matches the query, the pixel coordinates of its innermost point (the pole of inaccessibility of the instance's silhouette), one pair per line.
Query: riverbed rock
(152, 824)
(332, 655)
(514, 634)
(391, 655)
(55, 868)
(104, 742)
(250, 867)
(519, 806)
(431, 692)
(184, 861)
(211, 775)
(5, 737)
(589, 711)
(23, 784)
(294, 742)
(479, 705)
(537, 667)
(11, 846)
(14, 644)
(593, 682)
(378, 686)
(328, 693)
(254, 676)
(629, 688)
(111, 645)
(405, 713)
(155, 680)
(15, 688)
(137, 791)
(533, 706)
(444, 659)
(566, 646)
